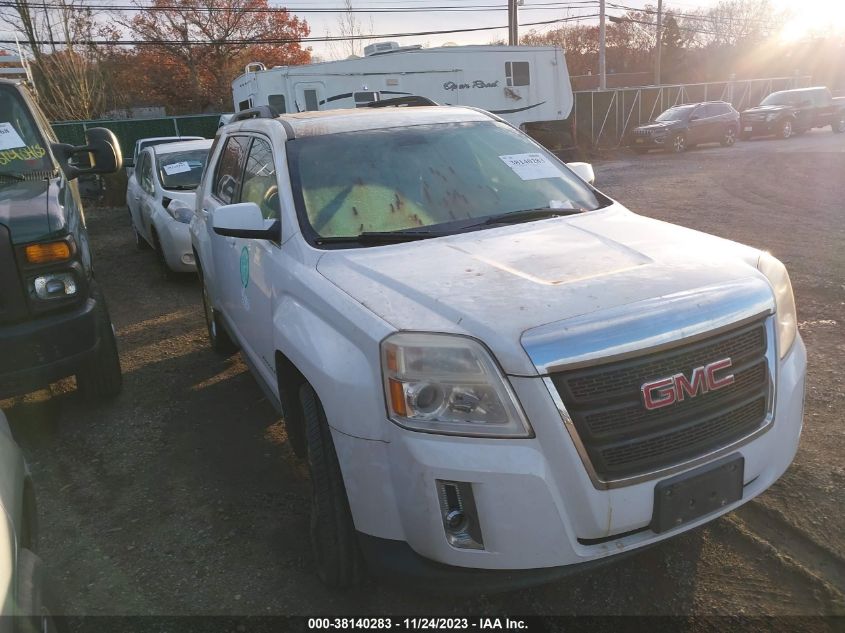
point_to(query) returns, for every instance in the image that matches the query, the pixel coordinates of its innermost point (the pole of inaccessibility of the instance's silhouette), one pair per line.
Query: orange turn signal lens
(397, 398)
(47, 252)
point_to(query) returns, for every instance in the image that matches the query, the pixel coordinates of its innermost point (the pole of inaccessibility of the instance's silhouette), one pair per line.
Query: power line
(579, 4)
(291, 40)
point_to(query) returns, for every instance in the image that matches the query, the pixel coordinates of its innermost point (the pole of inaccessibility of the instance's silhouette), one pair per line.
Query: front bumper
(43, 350)
(537, 506)
(175, 240)
(759, 128)
(652, 141)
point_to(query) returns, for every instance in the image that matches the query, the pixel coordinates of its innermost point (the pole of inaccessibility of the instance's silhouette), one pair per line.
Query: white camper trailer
(525, 85)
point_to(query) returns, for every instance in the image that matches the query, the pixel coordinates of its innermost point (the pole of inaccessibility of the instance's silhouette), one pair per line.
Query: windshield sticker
(9, 137)
(33, 152)
(531, 166)
(177, 168)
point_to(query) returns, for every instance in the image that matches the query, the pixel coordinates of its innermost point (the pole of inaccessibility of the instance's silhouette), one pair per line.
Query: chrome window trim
(765, 425)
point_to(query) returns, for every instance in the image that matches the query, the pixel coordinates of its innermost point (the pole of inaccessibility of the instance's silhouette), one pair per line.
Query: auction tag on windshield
(531, 166)
(177, 168)
(9, 137)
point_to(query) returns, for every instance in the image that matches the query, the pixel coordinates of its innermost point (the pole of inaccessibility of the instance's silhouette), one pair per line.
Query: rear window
(182, 170)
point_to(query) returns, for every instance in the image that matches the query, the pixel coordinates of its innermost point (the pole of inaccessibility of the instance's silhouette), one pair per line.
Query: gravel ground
(182, 496)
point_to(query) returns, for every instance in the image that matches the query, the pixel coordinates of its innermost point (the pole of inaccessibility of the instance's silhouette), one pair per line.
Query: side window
(363, 98)
(311, 100)
(277, 102)
(230, 167)
(245, 105)
(147, 174)
(259, 183)
(517, 73)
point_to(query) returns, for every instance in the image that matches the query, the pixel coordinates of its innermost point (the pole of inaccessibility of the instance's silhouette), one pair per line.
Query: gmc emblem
(665, 391)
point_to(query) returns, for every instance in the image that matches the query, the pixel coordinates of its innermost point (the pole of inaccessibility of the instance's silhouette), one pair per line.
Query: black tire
(37, 604)
(100, 377)
(729, 137)
(167, 273)
(785, 130)
(218, 337)
(333, 540)
(838, 126)
(678, 143)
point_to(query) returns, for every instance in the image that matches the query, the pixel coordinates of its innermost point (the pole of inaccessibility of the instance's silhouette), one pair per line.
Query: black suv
(682, 127)
(53, 318)
(789, 112)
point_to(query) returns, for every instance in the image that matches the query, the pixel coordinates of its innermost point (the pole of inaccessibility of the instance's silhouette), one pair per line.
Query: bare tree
(350, 27)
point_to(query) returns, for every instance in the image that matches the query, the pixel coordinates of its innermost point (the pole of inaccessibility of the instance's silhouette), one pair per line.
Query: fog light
(188, 259)
(54, 286)
(459, 514)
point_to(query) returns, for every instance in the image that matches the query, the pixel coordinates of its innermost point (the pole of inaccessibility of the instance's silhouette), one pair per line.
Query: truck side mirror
(584, 171)
(104, 155)
(244, 220)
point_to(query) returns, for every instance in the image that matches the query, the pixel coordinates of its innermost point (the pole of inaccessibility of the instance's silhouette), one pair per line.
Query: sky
(823, 11)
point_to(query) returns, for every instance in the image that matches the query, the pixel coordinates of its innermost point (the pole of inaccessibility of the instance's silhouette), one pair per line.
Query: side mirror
(104, 155)
(243, 220)
(584, 171)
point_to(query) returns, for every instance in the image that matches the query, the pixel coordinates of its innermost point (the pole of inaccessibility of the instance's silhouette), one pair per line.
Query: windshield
(425, 176)
(782, 98)
(680, 113)
(181, 170)
(22, 149)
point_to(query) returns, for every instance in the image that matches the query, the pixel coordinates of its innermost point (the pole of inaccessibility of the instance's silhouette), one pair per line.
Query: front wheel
(729, 137)
(785, 130)
(678, 144)
(218, 337)
(100, 377)
(333, 540)
(838, 126)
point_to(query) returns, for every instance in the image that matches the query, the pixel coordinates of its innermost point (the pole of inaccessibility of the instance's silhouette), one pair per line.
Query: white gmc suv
(498, 374)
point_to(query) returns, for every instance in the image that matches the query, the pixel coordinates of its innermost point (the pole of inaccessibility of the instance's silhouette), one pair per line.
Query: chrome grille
(623, 439)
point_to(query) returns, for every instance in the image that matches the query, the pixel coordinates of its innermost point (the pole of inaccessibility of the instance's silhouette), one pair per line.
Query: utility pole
(659, 42)
(602, 69)
(513, 23)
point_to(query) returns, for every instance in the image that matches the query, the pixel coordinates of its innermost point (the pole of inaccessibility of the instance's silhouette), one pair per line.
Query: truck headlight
(442, 383)
(180, 211)
(54, 286)
(787, 321)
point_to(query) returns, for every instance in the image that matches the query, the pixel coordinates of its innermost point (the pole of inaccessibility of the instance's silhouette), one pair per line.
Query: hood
(30, 209)
(497, 283)
(765, 109)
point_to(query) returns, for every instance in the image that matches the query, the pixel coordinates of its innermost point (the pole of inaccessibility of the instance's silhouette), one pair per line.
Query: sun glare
(813, 16)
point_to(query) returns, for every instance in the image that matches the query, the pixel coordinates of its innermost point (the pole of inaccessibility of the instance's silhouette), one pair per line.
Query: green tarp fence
(130, 130)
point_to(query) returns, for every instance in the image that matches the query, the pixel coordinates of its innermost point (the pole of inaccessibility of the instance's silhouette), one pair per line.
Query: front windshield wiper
(526, 215)
(382, 237)
(181, 188)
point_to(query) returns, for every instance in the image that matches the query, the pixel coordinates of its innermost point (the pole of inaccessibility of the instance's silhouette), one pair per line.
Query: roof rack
(410, 101)
(258, 112)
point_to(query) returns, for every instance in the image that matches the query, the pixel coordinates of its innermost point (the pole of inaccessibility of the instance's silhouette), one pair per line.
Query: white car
(497, 374)
(24, 589)
(143, 143)
(160, 197)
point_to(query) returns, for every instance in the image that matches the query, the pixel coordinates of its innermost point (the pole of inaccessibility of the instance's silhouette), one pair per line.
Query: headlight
(787, 323)
(448, 384)
(180, 211)
(54, 286)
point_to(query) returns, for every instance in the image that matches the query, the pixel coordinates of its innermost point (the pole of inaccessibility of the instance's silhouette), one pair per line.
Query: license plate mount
(747, 128)
(692, 495)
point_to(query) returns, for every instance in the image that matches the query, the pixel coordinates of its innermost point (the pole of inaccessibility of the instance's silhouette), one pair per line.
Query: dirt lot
(182, 496)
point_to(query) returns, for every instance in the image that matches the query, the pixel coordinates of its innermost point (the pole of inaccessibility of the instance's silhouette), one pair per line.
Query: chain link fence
(604, 117)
